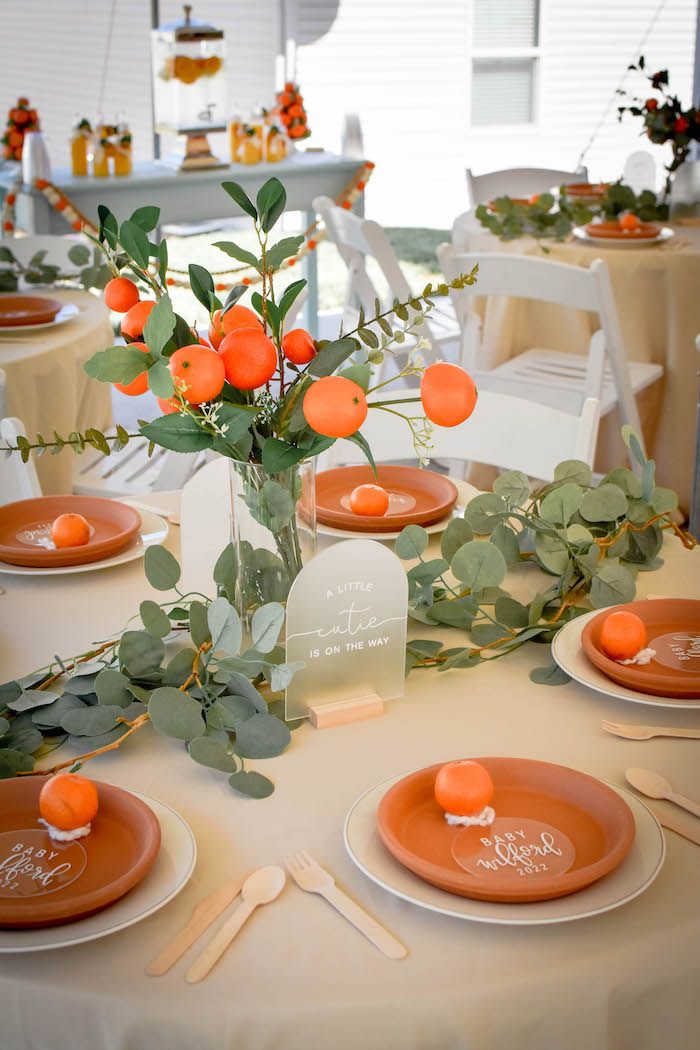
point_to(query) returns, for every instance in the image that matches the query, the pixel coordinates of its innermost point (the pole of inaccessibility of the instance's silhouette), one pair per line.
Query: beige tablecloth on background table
(298, 977)
(657, 293)
(47, 387)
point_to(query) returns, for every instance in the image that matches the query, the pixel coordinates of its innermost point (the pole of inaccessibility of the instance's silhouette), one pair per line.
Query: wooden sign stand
(341, 712)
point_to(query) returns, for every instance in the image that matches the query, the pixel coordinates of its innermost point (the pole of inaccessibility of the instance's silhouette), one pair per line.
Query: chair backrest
(56, 248)
(517, 182)
(639, 172)
(685, 190)
(503, 431)
(551, 282)
(18, 480)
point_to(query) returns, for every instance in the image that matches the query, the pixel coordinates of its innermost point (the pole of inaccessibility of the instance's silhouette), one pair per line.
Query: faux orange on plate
(26, 530)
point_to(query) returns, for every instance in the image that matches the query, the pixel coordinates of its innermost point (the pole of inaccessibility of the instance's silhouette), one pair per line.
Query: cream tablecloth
(47, 387)
(657, 293)
(300, 978)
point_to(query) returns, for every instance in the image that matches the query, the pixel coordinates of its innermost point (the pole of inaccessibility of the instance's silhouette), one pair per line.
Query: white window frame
(534, 53)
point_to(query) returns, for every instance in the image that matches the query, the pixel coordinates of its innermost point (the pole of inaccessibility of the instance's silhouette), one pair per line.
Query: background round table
(300, 978)
(657, 294)
(46, 385)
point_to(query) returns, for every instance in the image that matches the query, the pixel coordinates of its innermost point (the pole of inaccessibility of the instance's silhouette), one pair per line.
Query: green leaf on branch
(225, 572)
(135, 243)
(176, 714)
(154, 619)
(506, 540)
(146, 217)
(513, 486)
(511, 613)
(160, 326)
(454, 612)
(479, 565)
(559, 506)
(91, 721)
(253, 785)
(177, 432)
(411, 542)
(161, 567)
(112, 688)
(484, 512)
(360, 374)
(199, 626)
(574, 470)
(239, 195)
(270, 201)
(208, 752)
(606, 503)
(202, 284)
(289, 296)
(79, 254)
(225, 627)
(278, 455)
(457, 533)
(139, 653)
(234, 251)
(262, 736)
(13, 762)
(552, 552)
(31, 698)
(428, 571)
(284, 249)
(331, 356)
(551, 674)
(50, 717)
(266, 626)
(160, 381)
(118, 364)
(612, 584)
(280, 675)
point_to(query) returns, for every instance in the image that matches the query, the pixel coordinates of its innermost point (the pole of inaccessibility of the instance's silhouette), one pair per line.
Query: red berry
(680, 125)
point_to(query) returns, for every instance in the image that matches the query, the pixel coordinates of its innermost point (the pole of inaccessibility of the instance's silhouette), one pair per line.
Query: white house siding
(403, 65)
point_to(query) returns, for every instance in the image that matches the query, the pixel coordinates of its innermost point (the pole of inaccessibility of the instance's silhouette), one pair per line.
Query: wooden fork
(311, 877)
(635, 732)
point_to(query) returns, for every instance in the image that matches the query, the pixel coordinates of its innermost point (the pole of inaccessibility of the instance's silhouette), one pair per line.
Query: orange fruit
(121, 294)
(249, 357)
(198, 373)
(371, 500)
(463, 788)
(140, 384)
(70, 530)
(68, 801)
(335, 407)
(134, 320)
(237, 317)
(298, 346)
(168, 405)
(628, 221)
(448, 394)
(622, 635)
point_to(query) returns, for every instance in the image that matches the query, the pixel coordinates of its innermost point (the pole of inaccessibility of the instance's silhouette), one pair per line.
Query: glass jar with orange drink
(80, 146)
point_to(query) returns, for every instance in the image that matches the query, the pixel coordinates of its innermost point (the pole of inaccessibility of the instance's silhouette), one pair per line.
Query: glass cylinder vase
(273, 530)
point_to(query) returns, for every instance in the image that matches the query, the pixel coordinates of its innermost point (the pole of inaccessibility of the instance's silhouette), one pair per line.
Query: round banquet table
(657, 296)
(298, 977)
(46, 385)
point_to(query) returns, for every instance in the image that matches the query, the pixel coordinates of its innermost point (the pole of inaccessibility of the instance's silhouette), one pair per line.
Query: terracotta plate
(25, 530)
(589, 190)
(44, 883)
(18, 310)
(673, 630)
(559, 830)
(416, 497)
(611, 230)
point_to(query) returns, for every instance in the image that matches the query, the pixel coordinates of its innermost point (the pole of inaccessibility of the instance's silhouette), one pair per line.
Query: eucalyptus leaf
(457, 533)
(225, 627)
(13, 762)
(551, 674)
(484, 512)
(180, 667)
(176, 714)
(112, 687)
(91, 721)
(560, 505)
(161, 567)
(513, 486)
(199, 626)
(209, 752)
(606, 503)
(506, 540)
(479, 565)
(154, 619)
(262, 736)
(50, 717)
(552, 552)
(235, 709)
(239, 685)
(252, 784)
(612, 584)
(266, 626)
(511, 613)
(140, 653)
(411, 542)
(280, 675)
(31, 698)
(23, 735)
(574, 470)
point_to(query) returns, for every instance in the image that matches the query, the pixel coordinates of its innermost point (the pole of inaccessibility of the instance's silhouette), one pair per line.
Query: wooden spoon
(262, 887)
(656, 786)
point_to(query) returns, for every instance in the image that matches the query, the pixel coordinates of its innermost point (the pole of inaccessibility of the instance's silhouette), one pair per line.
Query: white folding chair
(517, 182)
(359, 240)
(639, 172)
(551, 377)
(131, 472)
(18, 480)
(503, 431)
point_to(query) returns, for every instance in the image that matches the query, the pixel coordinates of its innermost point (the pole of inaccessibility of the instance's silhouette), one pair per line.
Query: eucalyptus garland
(184, 669)
(90, 272)
(591, 539)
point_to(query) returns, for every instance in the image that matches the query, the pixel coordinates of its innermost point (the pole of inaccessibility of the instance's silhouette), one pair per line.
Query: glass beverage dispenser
(189, 85)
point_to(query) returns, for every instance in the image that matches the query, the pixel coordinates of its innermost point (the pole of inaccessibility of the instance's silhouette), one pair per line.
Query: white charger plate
(67, 313)
(154, 529)
(466, 491)
(568, 652)
(170, 873)
(634, 875)
(665, 234)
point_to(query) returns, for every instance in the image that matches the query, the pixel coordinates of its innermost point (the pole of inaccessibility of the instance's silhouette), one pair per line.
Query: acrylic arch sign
(346, 619)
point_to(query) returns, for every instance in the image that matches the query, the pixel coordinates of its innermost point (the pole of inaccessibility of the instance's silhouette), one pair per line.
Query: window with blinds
(505, 53)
